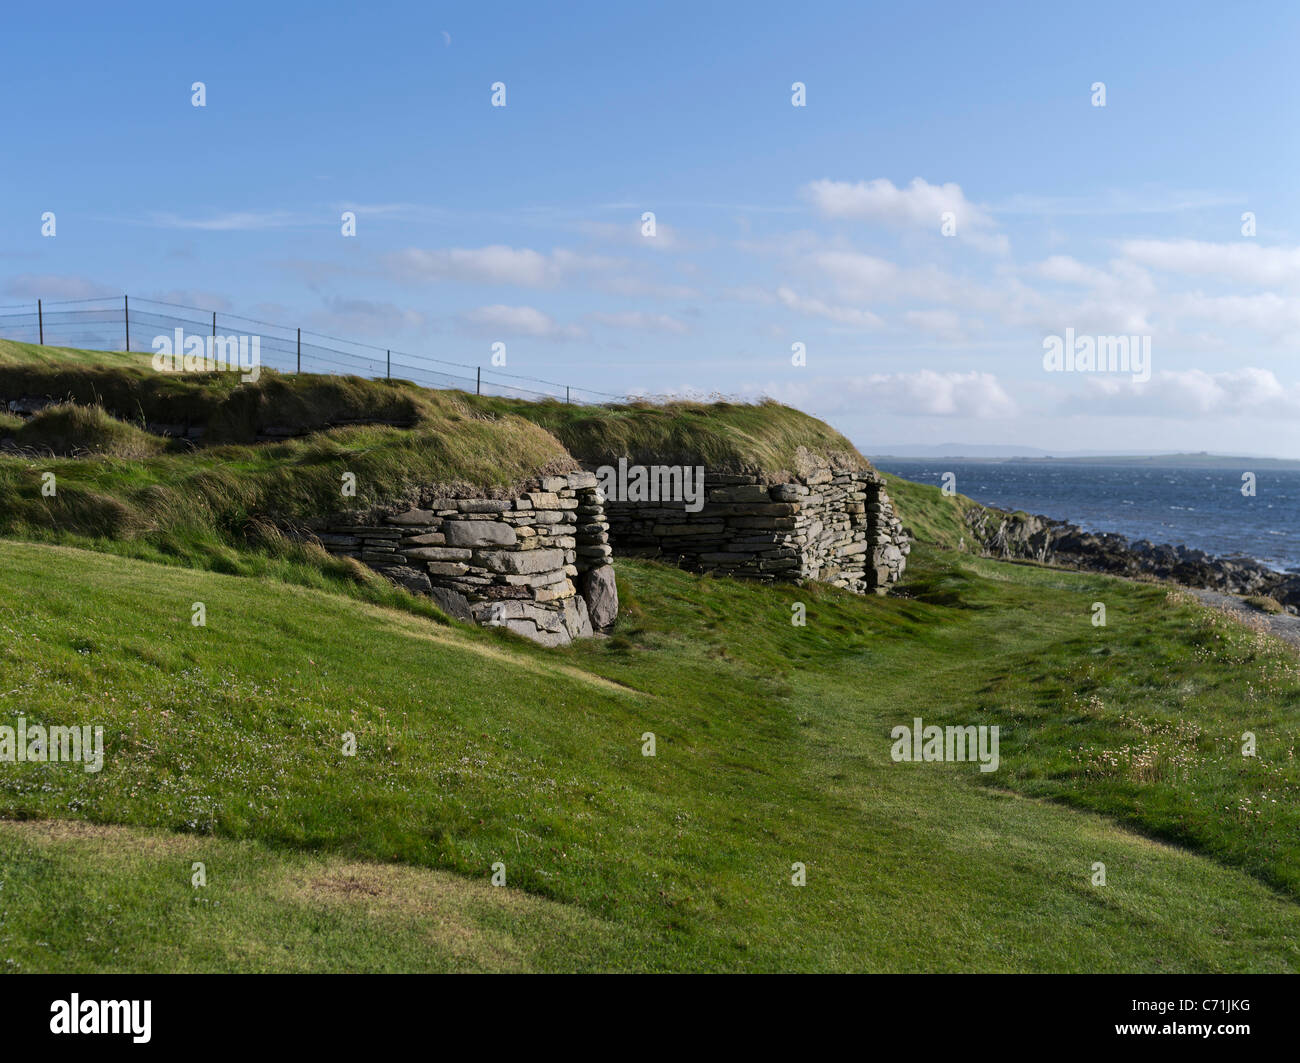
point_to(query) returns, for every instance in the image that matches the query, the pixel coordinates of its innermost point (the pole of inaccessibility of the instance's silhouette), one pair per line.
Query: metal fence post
(300, 350)
(40, 321)
(214, 327)
(478, 381)
(566, 394)
(126, 317)
(388, 362)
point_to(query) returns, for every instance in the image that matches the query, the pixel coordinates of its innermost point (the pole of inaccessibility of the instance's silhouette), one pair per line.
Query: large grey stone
(577, 621)
(437, 553)
(452, 603)
(412, 579)
(483, 505)
(479, 533)
(521, 562)
(447, 568)
(426, 539)
(600, 592)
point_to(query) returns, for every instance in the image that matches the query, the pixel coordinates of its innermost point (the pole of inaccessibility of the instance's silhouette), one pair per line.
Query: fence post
(478, 381)
(300, 350)
(566, 394)
(40, 321)
(126, 317)
(388, 362)
(214, 327)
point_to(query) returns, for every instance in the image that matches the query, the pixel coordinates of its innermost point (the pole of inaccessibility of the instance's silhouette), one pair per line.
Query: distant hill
(961, 452)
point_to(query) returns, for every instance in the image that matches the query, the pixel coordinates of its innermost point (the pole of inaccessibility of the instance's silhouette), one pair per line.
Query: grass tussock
(69, 430)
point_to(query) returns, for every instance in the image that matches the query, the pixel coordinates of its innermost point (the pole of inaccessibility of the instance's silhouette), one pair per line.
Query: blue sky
(775, 224)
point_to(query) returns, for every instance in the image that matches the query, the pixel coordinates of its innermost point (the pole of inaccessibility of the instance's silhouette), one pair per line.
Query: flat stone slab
(479, 533)
(484, 505)
(438, 553)
(521, 562)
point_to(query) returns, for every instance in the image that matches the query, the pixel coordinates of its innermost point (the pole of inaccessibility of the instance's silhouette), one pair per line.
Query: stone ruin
(540, 563)
(834, 525)
(537, 563)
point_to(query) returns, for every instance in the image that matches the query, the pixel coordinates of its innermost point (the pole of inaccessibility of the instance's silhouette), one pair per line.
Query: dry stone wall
(538, 563)
(832, 525)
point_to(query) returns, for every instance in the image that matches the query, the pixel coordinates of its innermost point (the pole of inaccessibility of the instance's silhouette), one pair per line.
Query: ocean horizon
(1201, 508)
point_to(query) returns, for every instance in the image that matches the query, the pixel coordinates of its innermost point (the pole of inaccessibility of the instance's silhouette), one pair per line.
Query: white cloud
(943, 324)
(1194, 393)
(924, 393)
(628, 234)
(526, 268)
(234, 221)
(920, 204)
(951, 394)
(1245, 262)
(495, 264)
(841, 315)
(1114, 202)
(856, 276)
(519, 321)
(1066, 270)
(1263, 312)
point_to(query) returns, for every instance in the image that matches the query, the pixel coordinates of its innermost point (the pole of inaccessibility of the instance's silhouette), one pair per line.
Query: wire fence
(128, 324)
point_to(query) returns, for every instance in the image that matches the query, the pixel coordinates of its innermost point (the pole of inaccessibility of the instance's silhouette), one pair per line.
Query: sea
(1203, 508)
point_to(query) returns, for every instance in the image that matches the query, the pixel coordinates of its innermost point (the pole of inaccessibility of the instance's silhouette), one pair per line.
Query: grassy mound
(70, 430)
(15, 355)
(226, 408)
(764, 437)
(209, 507)
(129, 493)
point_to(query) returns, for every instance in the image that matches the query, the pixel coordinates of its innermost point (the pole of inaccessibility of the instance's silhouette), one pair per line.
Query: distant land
(993, 452)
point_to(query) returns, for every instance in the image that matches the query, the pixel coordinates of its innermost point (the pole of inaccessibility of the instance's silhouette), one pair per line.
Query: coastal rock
(1065, 545)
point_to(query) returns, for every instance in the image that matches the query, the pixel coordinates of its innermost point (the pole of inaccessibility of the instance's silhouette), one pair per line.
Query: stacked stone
(832, 525)
(890, 543)
(512, 562)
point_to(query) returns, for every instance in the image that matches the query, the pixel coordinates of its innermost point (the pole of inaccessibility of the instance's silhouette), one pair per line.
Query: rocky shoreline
(1060, 543)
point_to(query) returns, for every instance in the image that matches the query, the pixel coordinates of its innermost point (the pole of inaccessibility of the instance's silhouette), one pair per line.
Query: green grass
(765, 437)
(82, 430)
(931, 516)
(25, 355)
(237, 508)
(83, 897)
(773, 747)
(1120, 744)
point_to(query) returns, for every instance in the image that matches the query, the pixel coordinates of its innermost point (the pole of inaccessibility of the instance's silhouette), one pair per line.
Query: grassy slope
(773, 739)
(765, 437)
(930, 515)
(224, 507)
(773, 748)
(14, 354)
(754, 437)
